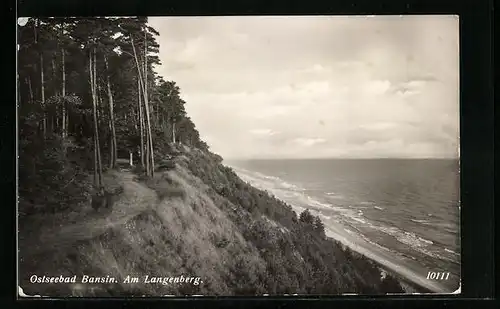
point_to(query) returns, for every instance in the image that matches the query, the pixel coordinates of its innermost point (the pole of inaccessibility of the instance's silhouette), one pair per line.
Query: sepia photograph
(168, 156)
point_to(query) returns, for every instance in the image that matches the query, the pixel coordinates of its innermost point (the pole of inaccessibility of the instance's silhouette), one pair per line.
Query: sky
(317, 86)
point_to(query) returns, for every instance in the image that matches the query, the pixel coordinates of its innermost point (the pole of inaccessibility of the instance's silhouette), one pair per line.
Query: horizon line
(341, 158)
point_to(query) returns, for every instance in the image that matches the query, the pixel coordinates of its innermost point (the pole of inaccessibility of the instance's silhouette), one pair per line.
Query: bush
(391, 285)
(303, 260)
(306, 217)
(167, 164)
(51, 179)
(165, 188)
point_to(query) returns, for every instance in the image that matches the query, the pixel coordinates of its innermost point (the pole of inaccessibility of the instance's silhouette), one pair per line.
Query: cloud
(263, 132)
(317, 86)
(377, 87)
(307, 142)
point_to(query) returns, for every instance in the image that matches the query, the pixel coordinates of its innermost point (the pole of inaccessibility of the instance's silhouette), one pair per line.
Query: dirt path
(135, 199)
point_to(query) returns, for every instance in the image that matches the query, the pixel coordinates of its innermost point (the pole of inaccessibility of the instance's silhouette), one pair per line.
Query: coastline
(405, 273)
(409, 273)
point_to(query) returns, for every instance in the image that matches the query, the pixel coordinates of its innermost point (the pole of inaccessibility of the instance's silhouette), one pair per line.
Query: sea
(402, 213)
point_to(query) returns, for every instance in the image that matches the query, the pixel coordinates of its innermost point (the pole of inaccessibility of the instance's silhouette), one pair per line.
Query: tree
(97, 148)
(78, 80)
(319, 227)
(306, 217)
(112, 162)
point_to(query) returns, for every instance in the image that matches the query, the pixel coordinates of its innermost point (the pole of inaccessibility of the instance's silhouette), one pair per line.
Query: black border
(477, 120)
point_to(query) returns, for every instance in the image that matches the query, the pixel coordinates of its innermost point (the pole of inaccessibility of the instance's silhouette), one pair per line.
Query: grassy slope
(206, 222)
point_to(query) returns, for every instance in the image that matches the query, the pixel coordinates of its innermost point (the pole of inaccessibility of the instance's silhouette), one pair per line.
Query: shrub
(306, 217)
(167, 164)
(303, 260)
(165, 188)
(391, 285)
(51, 179)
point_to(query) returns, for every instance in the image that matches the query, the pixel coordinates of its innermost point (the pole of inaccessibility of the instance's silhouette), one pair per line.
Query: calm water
(409, 208)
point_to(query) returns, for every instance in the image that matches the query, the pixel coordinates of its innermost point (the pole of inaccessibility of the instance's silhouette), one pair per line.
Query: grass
(212, 225)
(301, 260)
(192, 237)
(165, 187)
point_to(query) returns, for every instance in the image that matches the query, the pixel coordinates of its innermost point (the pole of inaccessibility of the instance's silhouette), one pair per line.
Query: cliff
(195, 220)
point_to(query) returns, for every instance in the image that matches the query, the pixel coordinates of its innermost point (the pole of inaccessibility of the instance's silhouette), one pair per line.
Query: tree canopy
(88, 93)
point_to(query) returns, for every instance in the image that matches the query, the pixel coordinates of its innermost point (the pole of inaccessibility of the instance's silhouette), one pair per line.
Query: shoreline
(404, 273)
(408, 273)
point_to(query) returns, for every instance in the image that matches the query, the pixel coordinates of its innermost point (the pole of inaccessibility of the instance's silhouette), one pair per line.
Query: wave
(325, 217)
(411, 239)
(368, 240)
(350, 216)
(291, 193)
(451, 251)
(357, 207)
(314, 202)
(420, 221)
(358, 220)
(334, 196)
(430, 242)
(266, 181)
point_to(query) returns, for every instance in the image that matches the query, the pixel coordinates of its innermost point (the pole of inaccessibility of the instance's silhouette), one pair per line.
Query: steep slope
(235, 239)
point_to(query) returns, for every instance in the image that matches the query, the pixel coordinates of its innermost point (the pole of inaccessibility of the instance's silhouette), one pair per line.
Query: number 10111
(436, 275)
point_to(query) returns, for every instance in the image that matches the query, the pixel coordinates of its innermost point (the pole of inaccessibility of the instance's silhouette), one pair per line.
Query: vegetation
(299, 257)
(89, 96)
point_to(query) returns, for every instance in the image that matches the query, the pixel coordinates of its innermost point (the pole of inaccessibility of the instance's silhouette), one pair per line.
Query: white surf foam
(451, 251)
(420, 221)
(300, 201)
(382, 259)
(358, 220)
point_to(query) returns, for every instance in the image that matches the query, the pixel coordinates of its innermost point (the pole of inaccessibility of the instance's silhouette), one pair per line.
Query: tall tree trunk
(164, 126)
(157, 114)
(54, 115)
(99, 157)
(32, 97)
(173, 131)
(65, 106)
(63, 92)
(96, 178)
(94, 109)
(112, 117)
(42, 81)
(135, 115)
(146, 103)
(97, 152)
(141, 121)
(111, 150)
(54, 75)
(150, 157)
(35, 34)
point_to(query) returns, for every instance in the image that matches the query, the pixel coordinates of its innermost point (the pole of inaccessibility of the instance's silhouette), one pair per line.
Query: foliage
(50, 180)
(300, 259)
(56, 121)
(86, 86)
(165, 187)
